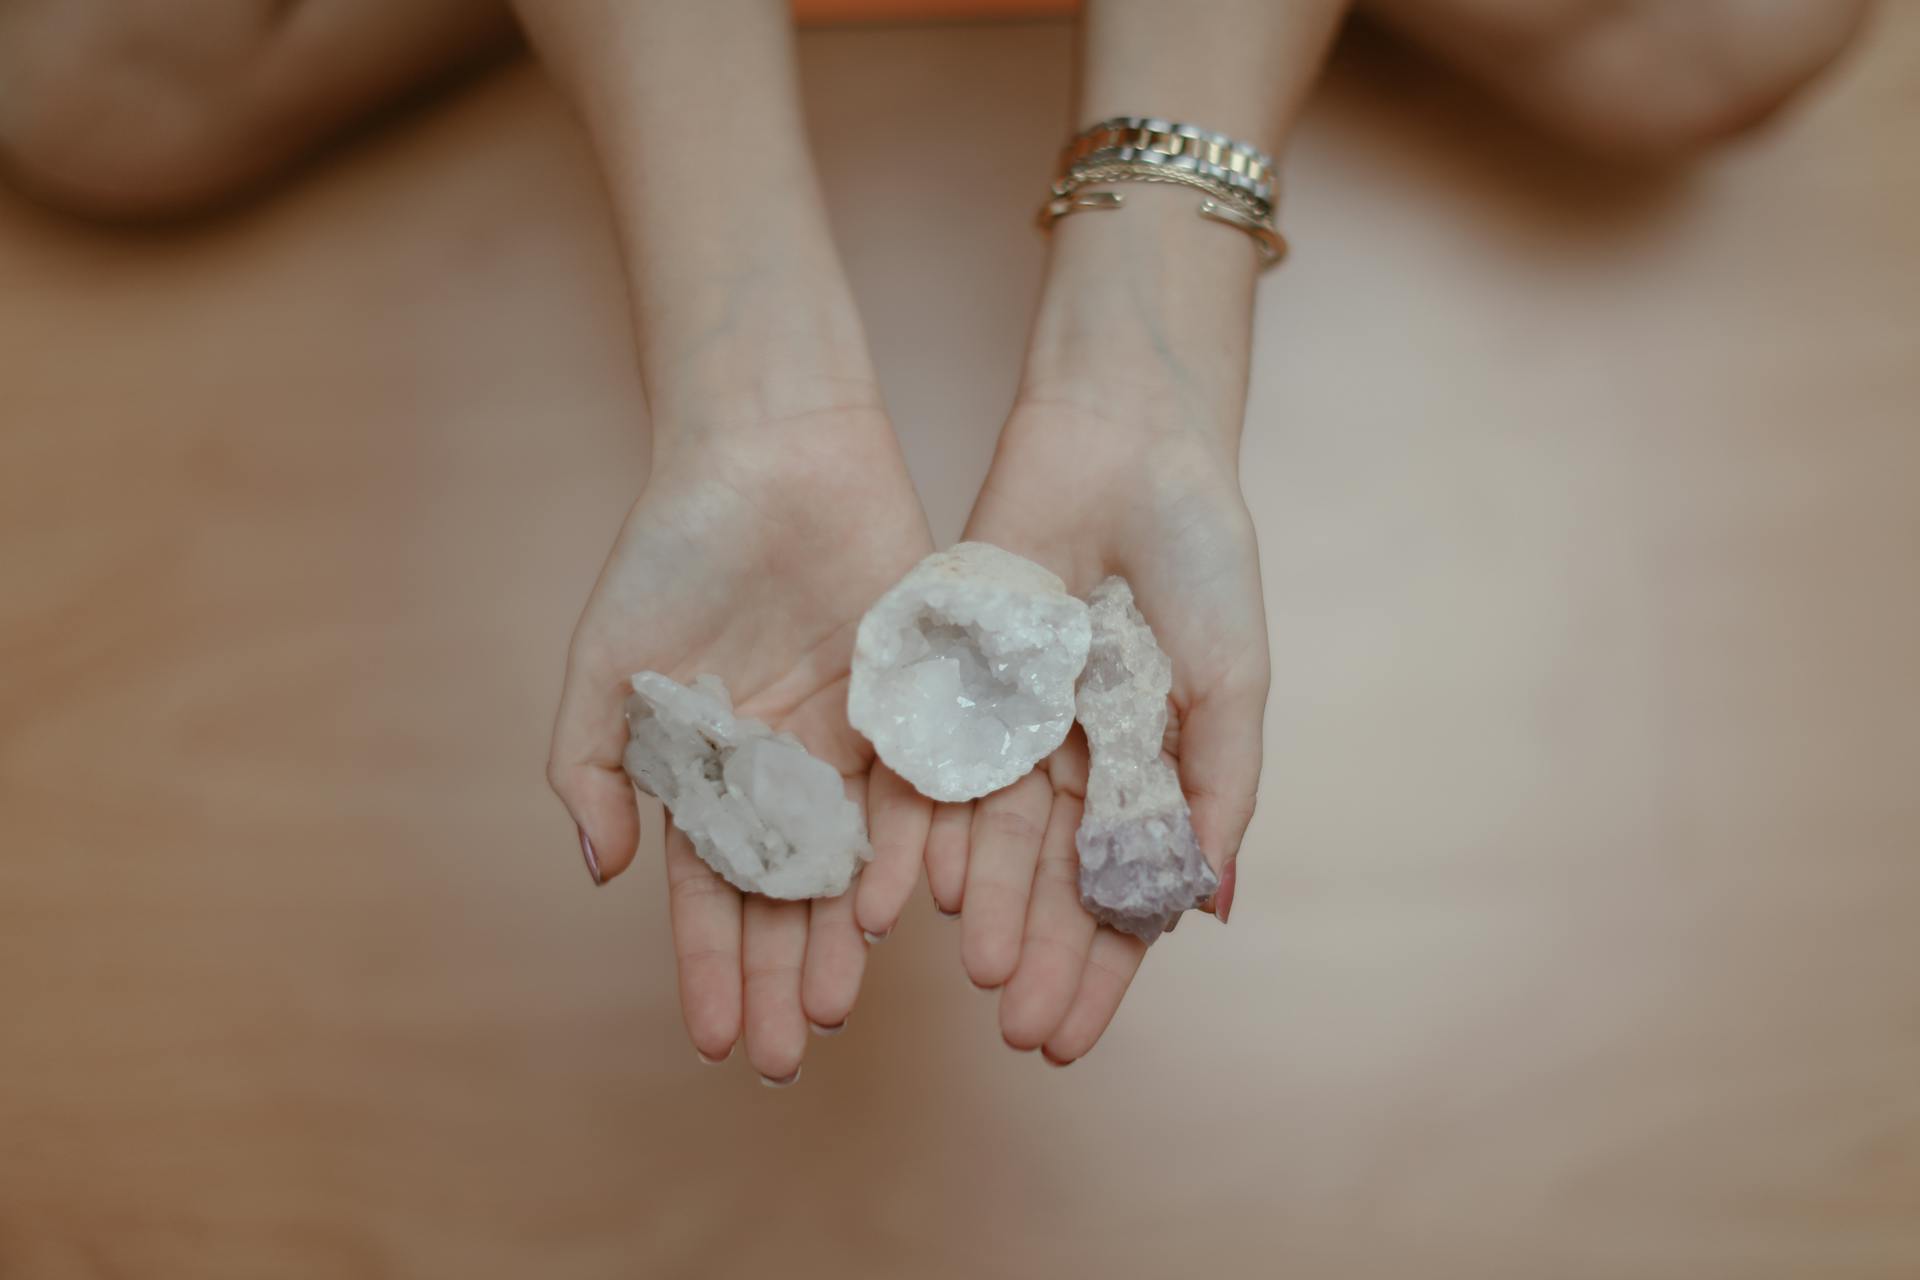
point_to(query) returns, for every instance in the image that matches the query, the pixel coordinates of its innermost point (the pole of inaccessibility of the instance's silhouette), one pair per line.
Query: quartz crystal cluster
(760, 809)
(1140, 865)
(963, 673)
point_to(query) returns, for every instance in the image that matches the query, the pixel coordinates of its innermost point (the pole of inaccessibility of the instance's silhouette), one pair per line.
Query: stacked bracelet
(1238, 179)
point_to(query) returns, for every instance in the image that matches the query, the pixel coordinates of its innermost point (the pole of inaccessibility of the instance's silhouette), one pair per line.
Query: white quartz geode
(963, 672)
(761, 810)
(1140, 865)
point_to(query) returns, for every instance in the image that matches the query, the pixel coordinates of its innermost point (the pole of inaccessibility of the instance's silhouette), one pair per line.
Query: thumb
(1220, 746)
(583, 764)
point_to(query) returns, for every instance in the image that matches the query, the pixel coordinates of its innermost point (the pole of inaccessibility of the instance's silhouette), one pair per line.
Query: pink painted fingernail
(586, 849)
(1223, 897)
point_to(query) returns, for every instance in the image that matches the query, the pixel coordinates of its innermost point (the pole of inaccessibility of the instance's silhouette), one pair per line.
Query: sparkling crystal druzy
(1140, 865)
(963, 672)
(761, 810)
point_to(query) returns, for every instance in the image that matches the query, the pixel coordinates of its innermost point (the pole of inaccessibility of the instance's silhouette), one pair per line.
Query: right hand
(751, 554)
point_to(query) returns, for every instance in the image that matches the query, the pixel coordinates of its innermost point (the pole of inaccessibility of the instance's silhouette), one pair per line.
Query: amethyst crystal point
(1140, 865)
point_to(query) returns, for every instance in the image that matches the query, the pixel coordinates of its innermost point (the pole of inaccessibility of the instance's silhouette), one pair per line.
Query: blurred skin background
(1576, 933)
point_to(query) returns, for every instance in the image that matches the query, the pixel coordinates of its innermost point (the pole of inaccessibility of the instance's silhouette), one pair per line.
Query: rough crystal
(963, 672)
(1140, 865)
(760, 809)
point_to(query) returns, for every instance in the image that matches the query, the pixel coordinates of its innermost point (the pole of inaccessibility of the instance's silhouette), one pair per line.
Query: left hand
(1091, 492)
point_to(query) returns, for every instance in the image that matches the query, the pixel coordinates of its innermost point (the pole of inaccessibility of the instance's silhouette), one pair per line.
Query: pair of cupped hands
(752, 553)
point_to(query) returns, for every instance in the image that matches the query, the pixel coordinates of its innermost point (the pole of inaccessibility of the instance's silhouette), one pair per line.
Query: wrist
(1146, 318)
(786, 417)
(783, 422)
(758, 354)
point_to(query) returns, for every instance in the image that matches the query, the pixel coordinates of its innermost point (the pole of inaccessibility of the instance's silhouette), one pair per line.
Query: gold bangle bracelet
(1215, 206)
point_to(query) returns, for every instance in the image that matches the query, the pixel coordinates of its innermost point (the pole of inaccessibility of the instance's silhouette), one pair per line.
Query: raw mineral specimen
(760, 809)
(1140, 865)
(963, 672)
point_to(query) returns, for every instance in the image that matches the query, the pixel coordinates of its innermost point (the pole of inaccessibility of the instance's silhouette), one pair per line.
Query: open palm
(1089, 497)
(751, 558)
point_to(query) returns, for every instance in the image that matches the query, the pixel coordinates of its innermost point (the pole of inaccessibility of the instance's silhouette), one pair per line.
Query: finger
(898, 818)
(1112, 960)
(1004, 846)
(1220, 743)
(835, 962)
(948, 836)
(773, 946)
(705, 911)
(1059, 931)
(1067, 767)
(583, 763)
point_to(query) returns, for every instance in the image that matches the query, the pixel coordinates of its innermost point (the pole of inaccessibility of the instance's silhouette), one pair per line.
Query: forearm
(743, 311)
(1149, 309)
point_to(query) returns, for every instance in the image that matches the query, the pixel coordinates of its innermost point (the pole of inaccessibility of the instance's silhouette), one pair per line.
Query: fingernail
(790, 1081)
(833, 1030)
(874, 937)
(946, 914)
(714, 1062)
(586, 849)
(1052, 1061)
(1223, 897)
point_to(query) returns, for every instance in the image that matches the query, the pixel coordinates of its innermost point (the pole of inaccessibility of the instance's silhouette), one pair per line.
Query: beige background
(1579, 932)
